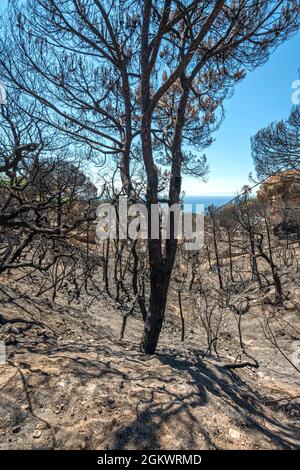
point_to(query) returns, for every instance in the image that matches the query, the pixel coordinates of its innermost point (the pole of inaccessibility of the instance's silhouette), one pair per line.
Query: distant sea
(205, 200)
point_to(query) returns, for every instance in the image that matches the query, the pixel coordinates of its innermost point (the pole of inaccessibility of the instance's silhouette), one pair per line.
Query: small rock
(234, 434)
(288, 305)
(110, 402)
(42, 425)
(15, 330)
(16, 429)
(37, 433)
(59, 408)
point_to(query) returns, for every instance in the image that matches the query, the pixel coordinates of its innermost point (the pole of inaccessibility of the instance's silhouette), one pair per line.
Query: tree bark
(181, 317)
(159, 281)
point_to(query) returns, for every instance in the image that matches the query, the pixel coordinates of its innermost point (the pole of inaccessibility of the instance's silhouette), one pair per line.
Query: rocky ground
(70, 383)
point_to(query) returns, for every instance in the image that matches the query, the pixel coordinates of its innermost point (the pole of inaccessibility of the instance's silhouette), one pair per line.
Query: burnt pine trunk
(162, 258)
(230, 257)
(255, 272)
(269, 238)
(274, 269)
(218, 263)
(105, 265)
(159, 284)
(140, 298)
(181, 316)
(161, 268)
(208, 256)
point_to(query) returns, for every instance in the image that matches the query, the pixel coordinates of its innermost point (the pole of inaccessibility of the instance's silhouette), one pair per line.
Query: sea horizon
(190, 202)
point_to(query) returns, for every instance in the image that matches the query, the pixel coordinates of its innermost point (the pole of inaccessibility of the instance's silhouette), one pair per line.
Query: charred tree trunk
(269, 238)
(181, 316)
(105, 265)
(192, 279)
(159, 285)
(274, 269)
(216, 250)
(59, 210)
(208, 256)
(255, 272)
(230, 257)
(140, 298)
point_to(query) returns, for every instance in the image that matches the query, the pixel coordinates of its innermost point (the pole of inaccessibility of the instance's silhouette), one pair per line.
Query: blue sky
(3, 4)
(265, 95)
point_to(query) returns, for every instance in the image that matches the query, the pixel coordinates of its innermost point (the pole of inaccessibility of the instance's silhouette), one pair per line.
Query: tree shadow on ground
(242, 402)
(171, 390)
(238, 395)
(165, 396)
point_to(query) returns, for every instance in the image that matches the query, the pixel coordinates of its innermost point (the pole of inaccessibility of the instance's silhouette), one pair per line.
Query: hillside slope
(69, 383)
